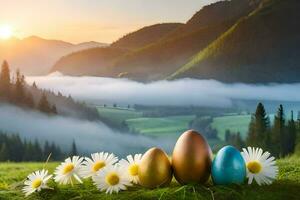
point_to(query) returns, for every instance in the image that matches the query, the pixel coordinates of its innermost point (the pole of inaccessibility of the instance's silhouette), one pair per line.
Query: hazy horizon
(102, 21)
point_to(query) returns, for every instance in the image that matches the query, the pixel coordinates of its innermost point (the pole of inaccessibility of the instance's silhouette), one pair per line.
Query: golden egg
(192, 158)
(155, 169)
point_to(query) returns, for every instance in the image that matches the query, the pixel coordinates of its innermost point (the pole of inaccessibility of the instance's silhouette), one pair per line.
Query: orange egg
(192, 158)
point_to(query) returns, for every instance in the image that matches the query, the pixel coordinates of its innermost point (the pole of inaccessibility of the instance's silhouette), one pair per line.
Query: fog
(89, 136)
(177, 92)
(96, 136)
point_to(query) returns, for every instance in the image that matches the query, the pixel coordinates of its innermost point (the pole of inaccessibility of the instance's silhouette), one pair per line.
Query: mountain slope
(99, 62)
(158, 60)
(34, 55)
(263, 47)
(93, 62)
(145, 36)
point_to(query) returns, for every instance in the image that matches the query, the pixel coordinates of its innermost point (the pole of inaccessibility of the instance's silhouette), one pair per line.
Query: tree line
(15, 90)
(279, 137)
(13, 148)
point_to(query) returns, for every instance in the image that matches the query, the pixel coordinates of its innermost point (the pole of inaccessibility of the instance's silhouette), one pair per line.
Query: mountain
(92, 62)
(261, 47)
(156, 61)
(35, 56)
(145, 36)
(99, 61)
(157, 51)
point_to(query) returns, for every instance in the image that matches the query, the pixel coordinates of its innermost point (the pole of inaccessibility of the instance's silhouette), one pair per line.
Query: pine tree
(5, 80)
(46, 150)
(38, 152)
(73, 149)
(259, 128)
(278, 131)
(238, 141)
(19, 93)
(29, 152)
(53, 109)
(4, 154)
(34, 85)
(44, 105)
(252, 135)
(29, 100)
(291, 136)
(227, 135)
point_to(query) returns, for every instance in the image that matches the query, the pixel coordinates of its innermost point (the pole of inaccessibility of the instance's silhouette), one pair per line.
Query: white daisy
(260, 166)
(98, 162)
(111, 179)
(131, 167)
(68, 170)
(36, 181)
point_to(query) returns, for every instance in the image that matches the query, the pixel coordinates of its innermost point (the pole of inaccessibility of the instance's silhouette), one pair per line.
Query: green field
(172, 125)
(234, 123)
(162, 126)
(155, 126)
(287, 186)
(118, 115)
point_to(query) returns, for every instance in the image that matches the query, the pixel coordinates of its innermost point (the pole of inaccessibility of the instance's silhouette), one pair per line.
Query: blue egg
(228, 167)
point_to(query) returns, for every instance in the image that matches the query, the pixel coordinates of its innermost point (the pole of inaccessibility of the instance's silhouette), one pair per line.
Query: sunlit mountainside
(261, 47)
(238, 40)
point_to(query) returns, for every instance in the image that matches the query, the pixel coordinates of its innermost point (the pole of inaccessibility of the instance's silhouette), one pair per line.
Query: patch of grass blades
(286, 187)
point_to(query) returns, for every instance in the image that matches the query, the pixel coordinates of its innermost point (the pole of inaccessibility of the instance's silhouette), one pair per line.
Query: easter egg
(155, 169)
(228, 167)
(191, 159)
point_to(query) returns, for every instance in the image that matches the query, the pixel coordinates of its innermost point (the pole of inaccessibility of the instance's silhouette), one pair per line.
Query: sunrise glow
(6, 32)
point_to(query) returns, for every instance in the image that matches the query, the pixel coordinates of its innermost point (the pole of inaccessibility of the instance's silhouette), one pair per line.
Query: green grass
(235, 123)
(285, 187)
(161, 126)
(118, 115)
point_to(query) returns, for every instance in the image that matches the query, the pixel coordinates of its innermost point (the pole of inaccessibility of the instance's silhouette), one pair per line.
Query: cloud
(89, 136)
(178, 92)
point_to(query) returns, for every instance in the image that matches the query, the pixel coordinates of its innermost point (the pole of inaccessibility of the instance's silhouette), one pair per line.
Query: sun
(6, 32)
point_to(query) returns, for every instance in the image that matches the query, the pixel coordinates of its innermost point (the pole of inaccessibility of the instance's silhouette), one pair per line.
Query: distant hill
(159, 50)
(145, 36)
(261, 47)
(100, 61)
(93, 62)
(35, 56)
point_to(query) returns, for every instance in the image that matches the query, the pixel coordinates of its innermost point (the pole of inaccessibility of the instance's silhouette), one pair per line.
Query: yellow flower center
(68, 168)
(133, 170)
(98, 165)
(112, 179)
(36, 183)
(254, 167)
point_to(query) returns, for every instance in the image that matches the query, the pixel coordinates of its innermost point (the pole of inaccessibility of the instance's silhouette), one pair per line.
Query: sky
(91, 20)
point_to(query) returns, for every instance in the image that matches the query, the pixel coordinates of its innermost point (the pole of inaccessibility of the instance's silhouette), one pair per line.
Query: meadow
(234, 123)
(172, 125)
(161, 126)
(286, 186)
(118, 115)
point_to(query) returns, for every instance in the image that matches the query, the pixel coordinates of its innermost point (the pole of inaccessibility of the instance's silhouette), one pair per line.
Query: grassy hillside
(286, 187)
(96, 61)
(145, 36)
(158, 60)
(159, 50)
(262, 47)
